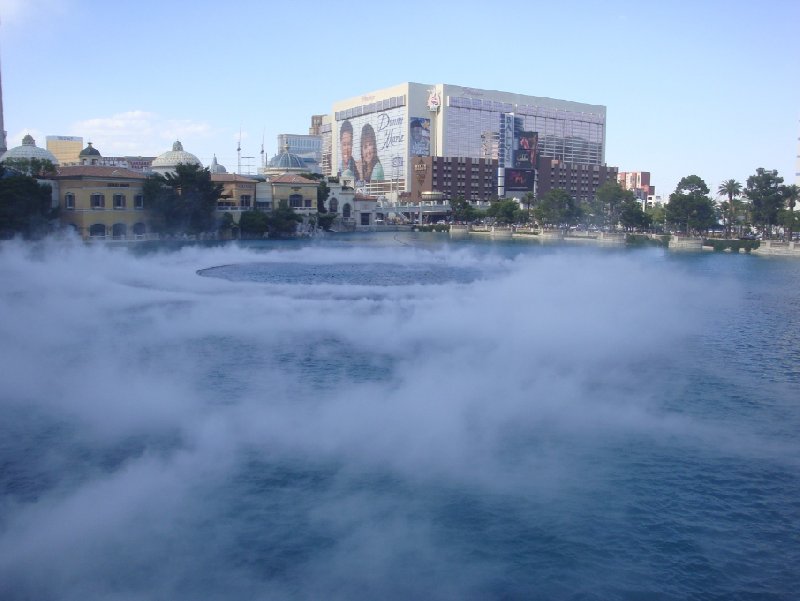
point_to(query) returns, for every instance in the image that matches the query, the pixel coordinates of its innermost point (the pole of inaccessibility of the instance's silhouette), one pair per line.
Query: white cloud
(140, 132)
(14, 138)
(15, 12)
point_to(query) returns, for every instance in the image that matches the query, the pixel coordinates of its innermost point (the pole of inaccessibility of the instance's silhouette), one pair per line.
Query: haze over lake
(395, 416)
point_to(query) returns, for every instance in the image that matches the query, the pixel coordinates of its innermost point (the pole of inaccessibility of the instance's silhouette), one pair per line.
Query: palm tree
(528, 200)
(730, 188)
(791, 194)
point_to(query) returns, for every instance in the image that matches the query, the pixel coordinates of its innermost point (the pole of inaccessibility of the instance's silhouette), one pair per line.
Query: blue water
(399, 416)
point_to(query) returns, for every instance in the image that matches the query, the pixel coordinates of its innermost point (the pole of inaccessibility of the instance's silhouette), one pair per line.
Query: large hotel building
(415, 140)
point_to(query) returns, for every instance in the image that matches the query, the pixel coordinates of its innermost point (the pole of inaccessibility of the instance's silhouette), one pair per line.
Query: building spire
(3, 144)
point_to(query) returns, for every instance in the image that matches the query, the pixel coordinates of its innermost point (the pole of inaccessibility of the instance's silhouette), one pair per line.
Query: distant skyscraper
(637, 182)
(66, 148)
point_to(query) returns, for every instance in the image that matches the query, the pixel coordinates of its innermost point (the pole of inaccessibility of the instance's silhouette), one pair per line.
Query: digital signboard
(519, 179)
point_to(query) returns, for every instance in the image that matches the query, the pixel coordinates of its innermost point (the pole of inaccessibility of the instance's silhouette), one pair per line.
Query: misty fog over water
(397, 417)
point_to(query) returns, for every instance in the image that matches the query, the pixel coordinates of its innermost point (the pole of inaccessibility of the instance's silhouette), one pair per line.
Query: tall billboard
(420, 137)
(506, 158)
(372, 148)
(525, 155)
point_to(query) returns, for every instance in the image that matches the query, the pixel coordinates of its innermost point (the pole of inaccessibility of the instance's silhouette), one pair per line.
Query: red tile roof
(290, 178)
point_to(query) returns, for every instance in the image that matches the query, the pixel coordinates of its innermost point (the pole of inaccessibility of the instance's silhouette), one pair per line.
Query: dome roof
(287, 160)
(89, 151)
(168, 160)
(29, 150)
(215, 167)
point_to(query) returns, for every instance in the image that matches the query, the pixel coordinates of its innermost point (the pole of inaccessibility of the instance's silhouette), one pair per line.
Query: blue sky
(711, 88)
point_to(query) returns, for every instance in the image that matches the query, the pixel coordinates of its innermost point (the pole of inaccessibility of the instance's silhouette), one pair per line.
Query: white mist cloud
(177, 425)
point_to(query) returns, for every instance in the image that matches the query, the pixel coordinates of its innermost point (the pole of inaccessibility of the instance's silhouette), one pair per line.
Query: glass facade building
(442, 120)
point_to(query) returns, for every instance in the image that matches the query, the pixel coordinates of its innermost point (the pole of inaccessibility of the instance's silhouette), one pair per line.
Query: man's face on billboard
(347, 146)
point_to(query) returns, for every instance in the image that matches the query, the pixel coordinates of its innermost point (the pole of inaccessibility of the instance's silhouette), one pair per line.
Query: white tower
(3, 145)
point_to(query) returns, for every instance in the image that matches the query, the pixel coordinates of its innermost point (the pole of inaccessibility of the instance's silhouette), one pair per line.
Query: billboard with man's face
(372, 148)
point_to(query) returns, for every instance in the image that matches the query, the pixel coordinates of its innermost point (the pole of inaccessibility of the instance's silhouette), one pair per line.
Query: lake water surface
(398, 416)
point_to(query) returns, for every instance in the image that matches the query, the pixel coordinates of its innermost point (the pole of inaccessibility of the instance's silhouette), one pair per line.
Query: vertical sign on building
(506, 140)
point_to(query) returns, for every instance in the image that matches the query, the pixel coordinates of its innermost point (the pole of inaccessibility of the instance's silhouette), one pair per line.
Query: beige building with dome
(284, 162)
(26, 151)
(167, 161)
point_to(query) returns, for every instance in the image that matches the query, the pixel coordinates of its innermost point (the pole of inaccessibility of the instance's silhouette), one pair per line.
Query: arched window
(333, 205)
(119, 231)
(346, 210)
(139, 229)
(98, 230)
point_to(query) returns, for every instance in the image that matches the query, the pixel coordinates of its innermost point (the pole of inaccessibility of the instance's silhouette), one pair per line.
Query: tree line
(764, 203)
(185, 202)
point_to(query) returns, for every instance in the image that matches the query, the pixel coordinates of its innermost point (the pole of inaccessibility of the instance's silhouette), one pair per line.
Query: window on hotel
(138, 201)
(119, 201)
(69, 200)
(98, 201)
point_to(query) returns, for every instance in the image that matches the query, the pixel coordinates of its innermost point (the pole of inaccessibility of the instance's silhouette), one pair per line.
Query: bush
(733, 245)
(645, 240)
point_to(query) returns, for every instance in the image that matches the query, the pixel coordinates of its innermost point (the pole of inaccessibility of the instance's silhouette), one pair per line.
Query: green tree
(592, 214)
(283, 220)
(766, 197)
(26, 207)
(529, 199)
(608, 203)
(557, 208)
(325, 220)
(657, 215)
(182, 202)
(689, 207)
(632, 217)
(505, 211)
(253, 224)
(463, 210)
(791, 195)
(323, 191)
(732, 189)
(227, 224)
(41, 168)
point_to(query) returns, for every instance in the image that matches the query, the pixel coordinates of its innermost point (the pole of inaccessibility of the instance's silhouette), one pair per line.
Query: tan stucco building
(300, 193)
(102, 202)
